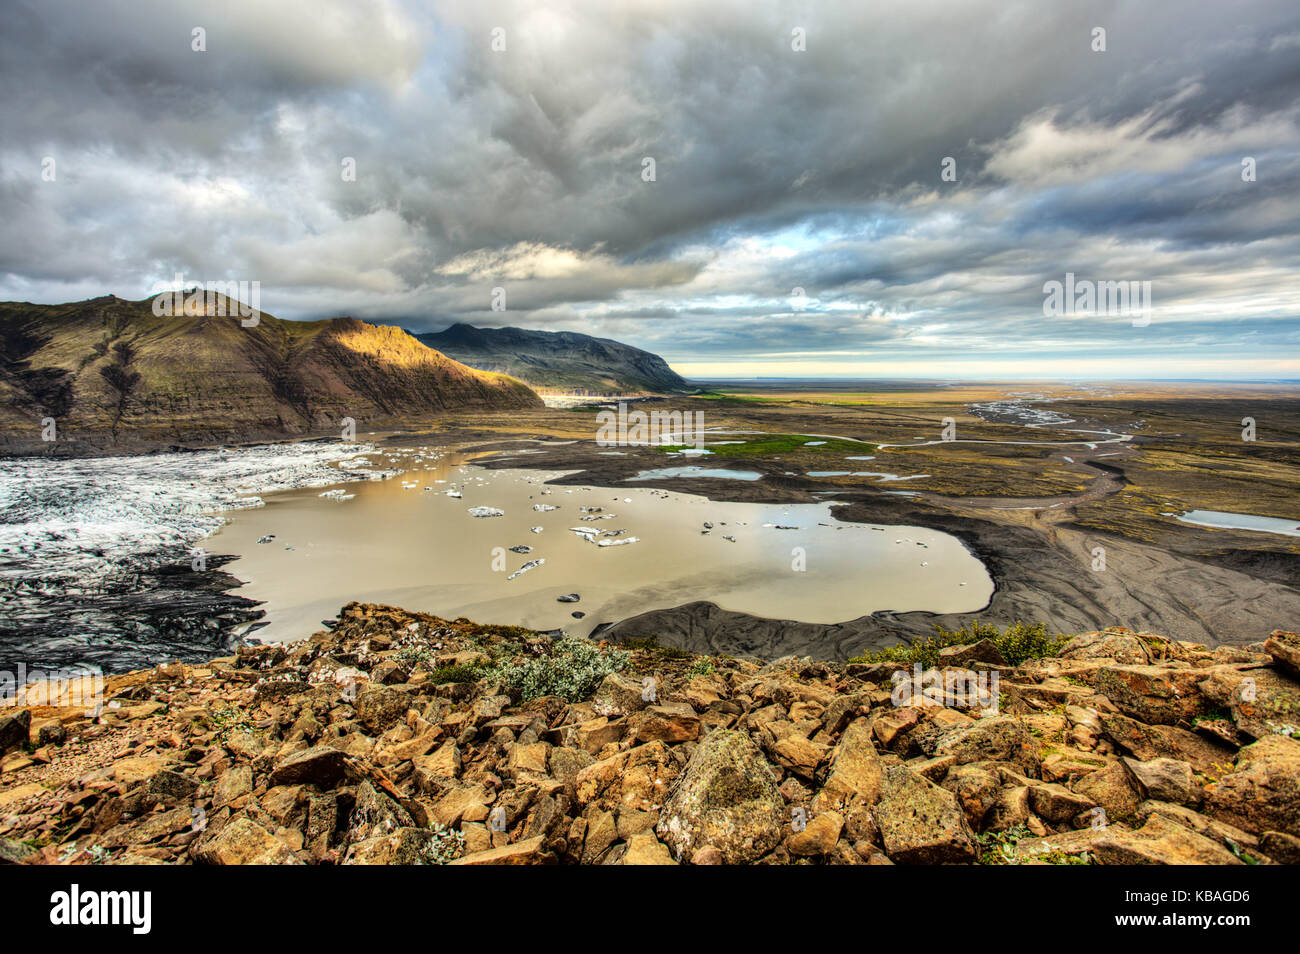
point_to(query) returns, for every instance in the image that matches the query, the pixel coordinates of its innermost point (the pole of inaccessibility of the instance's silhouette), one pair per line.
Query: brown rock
(527, 852)
(1165, 780)
(244, 842)
(920, 822)
(670, 722)
(646, 849)
(320, 765)
(1263, 792)
(1159, 842)
(818, 838)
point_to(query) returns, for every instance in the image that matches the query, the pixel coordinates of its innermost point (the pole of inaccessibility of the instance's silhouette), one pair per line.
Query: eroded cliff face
(110, 372)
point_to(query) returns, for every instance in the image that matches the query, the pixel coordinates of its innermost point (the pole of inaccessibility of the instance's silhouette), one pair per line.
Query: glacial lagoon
(413, 540)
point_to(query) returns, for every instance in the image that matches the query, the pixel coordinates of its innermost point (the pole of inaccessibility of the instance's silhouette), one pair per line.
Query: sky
(838, 188)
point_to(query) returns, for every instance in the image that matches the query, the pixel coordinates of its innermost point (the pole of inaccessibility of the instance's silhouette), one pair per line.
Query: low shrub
(1018, 643)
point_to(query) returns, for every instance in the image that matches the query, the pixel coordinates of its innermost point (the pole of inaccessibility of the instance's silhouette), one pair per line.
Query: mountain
(110, 371)
(557, 360)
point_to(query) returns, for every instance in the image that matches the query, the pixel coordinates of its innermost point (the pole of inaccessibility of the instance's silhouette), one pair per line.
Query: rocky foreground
(401, 738)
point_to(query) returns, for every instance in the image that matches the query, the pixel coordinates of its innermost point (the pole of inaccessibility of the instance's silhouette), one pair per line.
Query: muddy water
(422, 550)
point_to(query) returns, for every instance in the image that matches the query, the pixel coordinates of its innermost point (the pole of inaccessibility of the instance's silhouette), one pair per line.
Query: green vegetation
(651, 644)
(448, 844)
(999, 848)
(768, 444)
(1241, 853)
(229, 721)
(1018, 643)
(445, 674)
(701, 667)
(572, 670)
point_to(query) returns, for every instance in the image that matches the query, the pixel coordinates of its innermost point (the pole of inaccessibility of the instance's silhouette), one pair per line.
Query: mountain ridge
(557, 360)
(110, 371)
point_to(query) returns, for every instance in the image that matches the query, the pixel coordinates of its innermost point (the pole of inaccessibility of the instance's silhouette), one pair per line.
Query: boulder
(1153, 694)
(14, 852)
(14, 729)
(1280, 847)
(1056, 804)
(996, 739)
(234, 783)
(976, 789)
(669, 722)
(798, 755)
(320, 765)
(375, 813)
(527, 852)
(646, 849)
(1284, 647)
(855, 772)
(920, 822)
(1147, 742)
(1159, 842)
(726, 798)
(172, 785)
(432, 772)
(1260, 701)
(1263, 792)
(1112, 788)
(528, 759)
(967, 656)
(1164, 780)
(818, 838)
(379, 708)
(1122, 645)
(244, 842)
(402, 846)
(637, 778)
(620, 695)
(1213, 829)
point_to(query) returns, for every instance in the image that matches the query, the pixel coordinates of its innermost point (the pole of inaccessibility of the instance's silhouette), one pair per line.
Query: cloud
(775, 169)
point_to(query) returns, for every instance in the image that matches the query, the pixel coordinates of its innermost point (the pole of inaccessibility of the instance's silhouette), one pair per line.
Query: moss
(769, 444)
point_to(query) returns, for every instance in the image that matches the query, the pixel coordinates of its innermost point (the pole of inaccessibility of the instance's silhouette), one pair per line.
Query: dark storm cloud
(776, 170)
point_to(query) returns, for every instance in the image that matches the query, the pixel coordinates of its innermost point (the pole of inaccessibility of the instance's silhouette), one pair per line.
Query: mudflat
(1069, 495)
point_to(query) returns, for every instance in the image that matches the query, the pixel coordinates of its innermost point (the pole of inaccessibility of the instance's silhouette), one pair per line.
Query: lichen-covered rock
(1154, 694)
(1159, 842)
(976, 790)
(1165, 780)
(997, 739)
(401, 846)
(727, 798)
(1263, 792)
(1146, 742)
(14, 729)
(1122, 645)
(321, 765)
(1284, 647)
(920, 822)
